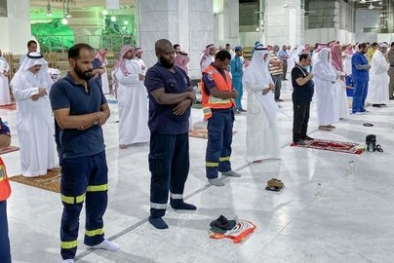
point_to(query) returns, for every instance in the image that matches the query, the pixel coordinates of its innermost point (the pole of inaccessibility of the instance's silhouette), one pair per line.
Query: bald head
(165, 52)
(162, 45)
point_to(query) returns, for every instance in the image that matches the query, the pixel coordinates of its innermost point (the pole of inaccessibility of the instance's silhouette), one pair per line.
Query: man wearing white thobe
(132, 100)
(326, 95)
(5, 98)
(262, 140)
(138, 58)
(35, 125)
(379, 79)
(208, 56)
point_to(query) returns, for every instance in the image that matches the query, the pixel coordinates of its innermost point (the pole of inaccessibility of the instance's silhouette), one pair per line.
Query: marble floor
(352, 221)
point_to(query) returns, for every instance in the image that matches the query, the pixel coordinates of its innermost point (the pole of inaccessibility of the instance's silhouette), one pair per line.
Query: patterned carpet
(334, 146)
(9, 149)
(50, 181)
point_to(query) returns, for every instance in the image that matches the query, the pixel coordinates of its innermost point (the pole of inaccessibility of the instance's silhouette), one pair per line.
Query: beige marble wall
(188, 23)
(284, 22)
(226, 16)
(18, 19)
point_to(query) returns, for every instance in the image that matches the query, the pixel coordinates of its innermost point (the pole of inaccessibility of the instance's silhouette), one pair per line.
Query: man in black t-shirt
(303, 88)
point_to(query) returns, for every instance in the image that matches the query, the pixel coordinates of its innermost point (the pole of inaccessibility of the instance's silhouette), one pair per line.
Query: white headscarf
(32, 59)
(257, 71)
(24, 77)
(295, 57)
(323, 64)
(257, 74)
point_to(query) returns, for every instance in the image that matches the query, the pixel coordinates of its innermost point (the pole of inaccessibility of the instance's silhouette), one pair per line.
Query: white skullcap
(383, 45)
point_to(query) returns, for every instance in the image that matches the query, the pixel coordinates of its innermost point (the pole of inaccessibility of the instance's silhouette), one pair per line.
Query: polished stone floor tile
(350, 221)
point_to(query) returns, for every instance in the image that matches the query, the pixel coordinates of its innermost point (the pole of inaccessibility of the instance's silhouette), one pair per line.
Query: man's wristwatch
(96, 122)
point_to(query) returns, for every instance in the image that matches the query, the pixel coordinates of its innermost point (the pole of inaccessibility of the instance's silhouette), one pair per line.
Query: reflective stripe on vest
(210, 102)
(5, 188)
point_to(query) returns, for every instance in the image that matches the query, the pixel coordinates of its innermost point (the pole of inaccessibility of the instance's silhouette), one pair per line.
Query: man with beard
(80, 110)
(360, 68)
(30, 87)
(170, 98)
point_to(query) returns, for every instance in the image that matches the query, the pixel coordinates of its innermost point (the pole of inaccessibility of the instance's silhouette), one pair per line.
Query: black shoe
(376, 105)
(242, 110)
(307, 138)
(300, 142)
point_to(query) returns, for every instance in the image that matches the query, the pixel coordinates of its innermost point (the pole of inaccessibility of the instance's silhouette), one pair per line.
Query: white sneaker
(231, 173)
(106, 245)
(216, 182)
(68, 261)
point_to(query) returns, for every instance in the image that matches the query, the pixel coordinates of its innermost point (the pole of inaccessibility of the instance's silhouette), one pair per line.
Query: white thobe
(35, 124)
(340, 87)
(326, 95)
(132, 105)
(141, 63)
(347, 64)
(206, 61)
(104, 78)
(262, 139)
(378, 80)
(5, 98)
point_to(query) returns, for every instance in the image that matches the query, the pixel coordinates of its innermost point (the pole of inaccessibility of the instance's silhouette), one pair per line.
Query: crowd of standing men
(154, 106)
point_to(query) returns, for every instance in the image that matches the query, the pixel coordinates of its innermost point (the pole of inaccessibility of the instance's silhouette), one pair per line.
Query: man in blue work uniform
(237, 72)
(170, 98)
(218, 101)
(80, 110)
(360, 74)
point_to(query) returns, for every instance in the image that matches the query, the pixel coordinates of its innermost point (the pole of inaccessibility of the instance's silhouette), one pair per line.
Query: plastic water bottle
(318, 190)
(350, 168)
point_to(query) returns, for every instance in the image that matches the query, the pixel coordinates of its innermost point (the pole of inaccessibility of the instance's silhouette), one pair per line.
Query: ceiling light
(104, 12)
(363, 1)
(126, 22)
(371, 7)
(64, 21)
(113, 18)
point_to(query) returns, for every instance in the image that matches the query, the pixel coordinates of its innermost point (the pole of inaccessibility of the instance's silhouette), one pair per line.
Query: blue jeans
(220, 137)
(359, 95)
(5, 250)
(237, 84)
(169, 167)
(83, 178)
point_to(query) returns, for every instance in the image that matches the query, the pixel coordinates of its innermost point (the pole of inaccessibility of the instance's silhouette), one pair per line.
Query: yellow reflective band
(97, 188)
(206, 110)
(69, 244)
(224, 159)
(73, 199)
(215, 100)
(92, 233)
(209, 164)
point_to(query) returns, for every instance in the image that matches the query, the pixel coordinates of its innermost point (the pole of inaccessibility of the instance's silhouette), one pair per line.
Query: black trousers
(169, 166)
(300, 120)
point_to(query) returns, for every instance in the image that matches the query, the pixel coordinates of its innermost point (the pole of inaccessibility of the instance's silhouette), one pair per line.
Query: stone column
(283, 22)
(87, 26)
(226, 15)
(187, 23)
(15, 29)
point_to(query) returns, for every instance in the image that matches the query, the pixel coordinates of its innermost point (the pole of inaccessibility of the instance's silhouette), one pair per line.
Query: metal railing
(61, 43)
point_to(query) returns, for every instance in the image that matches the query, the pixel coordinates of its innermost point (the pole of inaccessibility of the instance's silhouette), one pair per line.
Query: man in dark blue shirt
(303, 89)
(80, 110)
(170, 98)
(360, 74)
